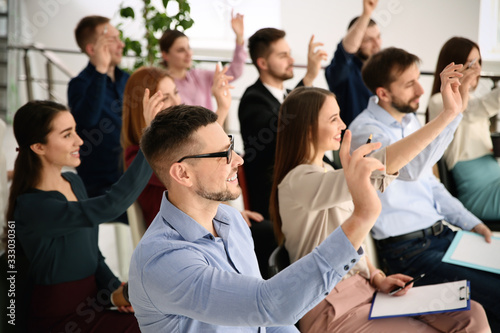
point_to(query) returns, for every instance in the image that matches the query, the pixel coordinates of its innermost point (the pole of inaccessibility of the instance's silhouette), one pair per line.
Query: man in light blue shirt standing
(195, 269)
(409, 233)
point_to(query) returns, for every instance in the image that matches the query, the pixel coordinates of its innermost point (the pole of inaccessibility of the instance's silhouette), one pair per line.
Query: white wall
(420, 27)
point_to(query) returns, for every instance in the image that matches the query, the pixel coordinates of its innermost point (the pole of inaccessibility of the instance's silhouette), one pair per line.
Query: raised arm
(357, 170)
(403, 151)
(86, 96)
(238, 27)
(99, 53)
(314, 58)
(239, 56)
(354, 37)
(221, 92)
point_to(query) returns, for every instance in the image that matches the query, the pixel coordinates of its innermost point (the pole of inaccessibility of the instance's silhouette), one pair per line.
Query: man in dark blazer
(258, 115)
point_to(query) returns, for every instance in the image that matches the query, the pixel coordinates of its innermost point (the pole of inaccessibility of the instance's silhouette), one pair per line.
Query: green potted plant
(155, 21)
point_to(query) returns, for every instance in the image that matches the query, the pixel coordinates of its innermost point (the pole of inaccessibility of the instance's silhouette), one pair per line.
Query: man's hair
(371, 23)
(85, 30)
(169, 137)
(383, 68)
(259, 44)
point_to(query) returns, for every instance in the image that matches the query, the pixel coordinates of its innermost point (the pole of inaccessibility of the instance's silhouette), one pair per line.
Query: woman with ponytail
(57, 224)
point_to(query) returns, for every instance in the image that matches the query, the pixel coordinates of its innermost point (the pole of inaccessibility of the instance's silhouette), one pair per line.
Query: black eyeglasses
(228, 154)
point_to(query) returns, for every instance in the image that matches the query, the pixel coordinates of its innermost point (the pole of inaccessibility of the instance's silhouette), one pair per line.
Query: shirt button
(346, 267)
(353, 261)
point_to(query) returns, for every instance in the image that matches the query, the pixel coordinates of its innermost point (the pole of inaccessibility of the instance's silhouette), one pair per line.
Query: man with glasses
(195, 268)
(228, 154)
(95, 100)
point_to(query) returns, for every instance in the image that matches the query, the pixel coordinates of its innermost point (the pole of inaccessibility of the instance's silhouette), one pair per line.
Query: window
(212, 27)
(489, 29)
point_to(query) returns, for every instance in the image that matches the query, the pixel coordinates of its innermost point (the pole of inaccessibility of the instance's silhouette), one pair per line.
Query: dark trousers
(423, 255)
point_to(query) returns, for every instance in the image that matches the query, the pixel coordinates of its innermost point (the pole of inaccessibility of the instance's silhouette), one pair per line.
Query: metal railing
(51, 61)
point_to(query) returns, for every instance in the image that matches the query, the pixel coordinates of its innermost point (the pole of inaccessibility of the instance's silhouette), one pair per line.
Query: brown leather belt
(433, 230)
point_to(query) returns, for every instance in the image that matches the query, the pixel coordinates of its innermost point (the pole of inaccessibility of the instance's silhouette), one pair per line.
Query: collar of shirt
(279, 94)
(187, 227)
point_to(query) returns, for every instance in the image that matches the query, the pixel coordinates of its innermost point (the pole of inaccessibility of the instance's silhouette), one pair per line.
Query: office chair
(136, 223)
(278, 260)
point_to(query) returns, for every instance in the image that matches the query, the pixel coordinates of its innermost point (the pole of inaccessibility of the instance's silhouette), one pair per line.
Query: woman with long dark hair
(469, 156)
(57, 224)
(310, 199)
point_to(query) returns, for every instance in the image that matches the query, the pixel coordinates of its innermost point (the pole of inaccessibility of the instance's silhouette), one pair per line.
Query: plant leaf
(155, 21)
(127, 12)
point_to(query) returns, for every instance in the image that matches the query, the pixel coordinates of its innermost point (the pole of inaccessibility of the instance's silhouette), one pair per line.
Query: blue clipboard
(448, 257)
(423, 300)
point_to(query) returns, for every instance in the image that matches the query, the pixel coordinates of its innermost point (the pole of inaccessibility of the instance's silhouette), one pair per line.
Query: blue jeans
(423, 255)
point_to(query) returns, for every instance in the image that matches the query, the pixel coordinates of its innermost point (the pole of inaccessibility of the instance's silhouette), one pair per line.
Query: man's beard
(403, 107)
(285, 76)
(220, 196)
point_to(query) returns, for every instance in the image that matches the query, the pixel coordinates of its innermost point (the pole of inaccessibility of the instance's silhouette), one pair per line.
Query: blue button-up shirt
(183, 279)
(416, 199)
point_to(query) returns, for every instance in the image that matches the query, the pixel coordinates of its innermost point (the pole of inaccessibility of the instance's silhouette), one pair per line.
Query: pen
(392, 292)
(472, 63)
(368, 141)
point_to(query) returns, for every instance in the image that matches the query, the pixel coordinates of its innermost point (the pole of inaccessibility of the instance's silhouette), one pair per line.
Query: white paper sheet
(442, 297)
(471, 250)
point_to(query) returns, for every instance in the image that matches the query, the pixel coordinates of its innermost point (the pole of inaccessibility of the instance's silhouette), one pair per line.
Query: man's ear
(383, 94)
(262, 63)
(89, 49)
(181, 174)
(38, 148)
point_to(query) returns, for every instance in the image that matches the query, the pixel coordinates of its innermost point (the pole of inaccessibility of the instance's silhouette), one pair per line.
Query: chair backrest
(136, 222)
(278, 260)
